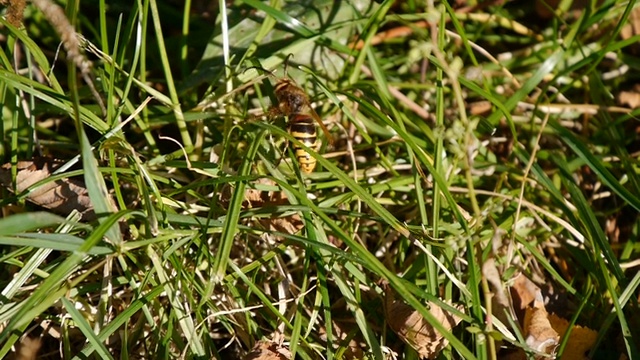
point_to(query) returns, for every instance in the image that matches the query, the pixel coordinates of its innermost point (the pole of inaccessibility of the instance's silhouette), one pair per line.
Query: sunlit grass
(465, 141)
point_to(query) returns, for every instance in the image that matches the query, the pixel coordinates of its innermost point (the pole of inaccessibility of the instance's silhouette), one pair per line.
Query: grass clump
(479, 198)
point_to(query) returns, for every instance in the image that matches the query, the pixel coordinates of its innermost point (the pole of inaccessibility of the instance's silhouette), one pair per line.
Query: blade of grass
(175, 101)
(42, 297)
(229, 229)
(18, 223)
(82, 324)
(98, 192)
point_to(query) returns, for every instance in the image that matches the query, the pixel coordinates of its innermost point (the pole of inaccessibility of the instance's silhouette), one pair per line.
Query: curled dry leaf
(540, 334)
(544, 330)
(268, 350)
(61, 196)
(414, 329)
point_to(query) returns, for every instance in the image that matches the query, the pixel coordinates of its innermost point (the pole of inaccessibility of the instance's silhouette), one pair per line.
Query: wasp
(294, 103)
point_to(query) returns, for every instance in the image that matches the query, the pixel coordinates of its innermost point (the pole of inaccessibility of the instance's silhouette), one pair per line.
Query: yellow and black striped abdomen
(303, 128)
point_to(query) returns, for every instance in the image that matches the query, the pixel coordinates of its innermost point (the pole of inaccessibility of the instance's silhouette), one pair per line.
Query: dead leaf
(60, 196)
(290, 224)
(581, 339)
(353, 350)
(539, 333)
(500, 300)
(268, 350)
(414, 329)
(524, 292)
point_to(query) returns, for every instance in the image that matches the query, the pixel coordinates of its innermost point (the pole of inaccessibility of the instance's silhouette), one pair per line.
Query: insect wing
(317, 118)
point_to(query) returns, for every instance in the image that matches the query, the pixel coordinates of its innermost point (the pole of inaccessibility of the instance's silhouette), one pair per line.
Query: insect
(294, 103)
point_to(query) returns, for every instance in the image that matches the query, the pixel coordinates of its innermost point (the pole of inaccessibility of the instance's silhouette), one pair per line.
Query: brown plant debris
(545, 330)
(523, 292)
(258, 198)
(414, 329)
(60, 196)
(540, 335)
(268, 350)
(581, 339)
(353, 349)
(15, 11)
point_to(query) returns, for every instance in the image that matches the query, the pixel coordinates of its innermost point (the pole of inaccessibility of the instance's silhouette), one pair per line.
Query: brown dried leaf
(524, 292)
(580, 340)
(256, 198)
(540, 335)
(414, 329)
(500, 299)
(60, 196)
(353, 350)
(268, 350)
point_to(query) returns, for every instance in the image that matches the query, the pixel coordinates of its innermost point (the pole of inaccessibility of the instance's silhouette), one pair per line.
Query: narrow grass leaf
(40, 300)
(98, 192)
(19, 223)
(580, 149)
(82, 324)
(229, 229)
(122, 319)
(286, 19)
(58, 242)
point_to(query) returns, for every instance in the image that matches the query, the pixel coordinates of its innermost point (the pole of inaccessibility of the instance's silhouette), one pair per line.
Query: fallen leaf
(540, 335)
(353, 349)
(581, 339)
(414, 329)
(61, 196)
(289, 224)
(268, 350)
(524, 292)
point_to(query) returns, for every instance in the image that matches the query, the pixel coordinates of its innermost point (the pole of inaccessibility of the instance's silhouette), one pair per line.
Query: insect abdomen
(303, 129)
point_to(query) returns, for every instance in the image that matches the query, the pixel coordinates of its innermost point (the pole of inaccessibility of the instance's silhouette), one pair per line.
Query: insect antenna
(286, 64)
